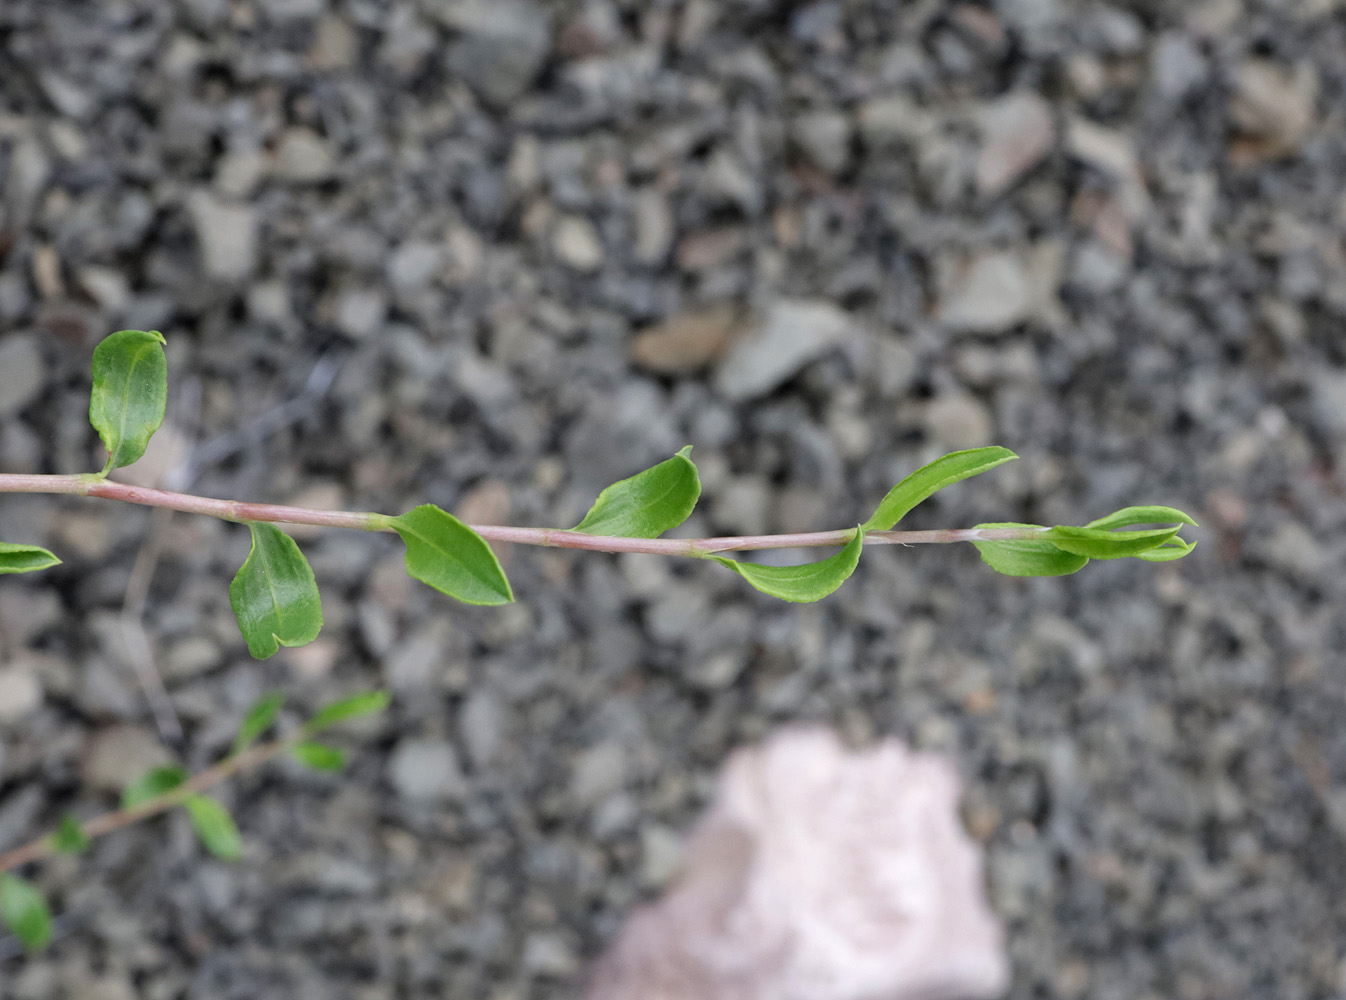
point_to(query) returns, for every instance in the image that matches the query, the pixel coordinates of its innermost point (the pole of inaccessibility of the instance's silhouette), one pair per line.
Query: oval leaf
(929, 479)
(1130, 516)
(1100, 543)
(446, 554)
(257, 721)
(130, 391)
(349, 708)
(15, 558)
(647, 504)
(319, 756)
(69, 837)
(24, 910)
(1028, 557)
(274, 594)
(801, 584)
(215, 827)
(152, 784)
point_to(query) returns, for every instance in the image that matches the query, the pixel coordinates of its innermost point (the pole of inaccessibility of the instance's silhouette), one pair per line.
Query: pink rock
(819, 874)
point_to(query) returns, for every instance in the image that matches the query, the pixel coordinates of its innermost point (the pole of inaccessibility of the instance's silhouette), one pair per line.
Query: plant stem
(235, 510)
(42, 847)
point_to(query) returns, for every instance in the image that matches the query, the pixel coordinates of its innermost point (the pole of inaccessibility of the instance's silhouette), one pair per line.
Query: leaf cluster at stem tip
(275, 596)
(23, 906)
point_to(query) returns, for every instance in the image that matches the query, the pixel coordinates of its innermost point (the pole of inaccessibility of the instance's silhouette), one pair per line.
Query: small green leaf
(319, 756)
(1028, 557)
(1100, 543)
(69, 837)
(274, 594)
(1174, 548)
(349, 708)
(257, 721)
(801, 584)
(215, 827)
(931, 478)
(152, 784)
(130, 391)
(446, 554)
(25, 911)
(647, 504)
(15, 558)
(1129, 516)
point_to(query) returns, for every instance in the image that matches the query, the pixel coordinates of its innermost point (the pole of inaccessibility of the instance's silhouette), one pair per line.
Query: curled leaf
(15, 558)
(446, 554)
(25, 912)
(929, 479)
(801, 584)
(647, 504)
(274, 594)
(130, 393)
(69, 837)
(353, 707)
(152, 784)
(1028, 557)
(257, 721)
(1101, 543)
(215, 827)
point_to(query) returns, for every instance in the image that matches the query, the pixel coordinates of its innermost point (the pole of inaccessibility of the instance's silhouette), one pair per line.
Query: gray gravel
(1110, 237)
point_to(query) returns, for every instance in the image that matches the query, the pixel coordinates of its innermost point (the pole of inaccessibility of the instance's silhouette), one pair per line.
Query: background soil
(412, 252)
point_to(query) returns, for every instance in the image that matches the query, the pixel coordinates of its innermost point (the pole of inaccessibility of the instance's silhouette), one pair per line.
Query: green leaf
(1028, 557)
(24, 910)
(349, 708)
(1100, 543)
(647, 504)
(130, 390)
(152, 784)
(1174, 548)
(257, 721)
(801, 584)
(274, 594)
(319, 756)
(215, 827)
(15, 558)
(69, 837)
(446, 554)
(931, 478)
(1129, 516)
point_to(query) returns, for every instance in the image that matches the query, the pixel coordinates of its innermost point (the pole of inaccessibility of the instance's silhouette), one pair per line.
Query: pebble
(654, 228)
(788, 336)
(1017, 132)
(957, 420)
(686, 343)
(596, 773)
(361, 312)
(1272, 107)
(116, 756)
(990, 293)
(825, 138)
(576, 244)
(484, 723)
(414, 265)
(226, 236)
(20, 694)
(23, 373)
(501, 46)
(303, 157)
(426, 772)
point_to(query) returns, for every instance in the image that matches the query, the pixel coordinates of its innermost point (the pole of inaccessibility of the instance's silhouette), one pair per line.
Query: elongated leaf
(257, 721)
(1174, 548)
(802, 584)
(69, 837)
(929, 479)
(130, 390)
(215, 827)
(152, 784)
(25, 911)
(446, 554)
(274, 594)
(1130, 516)
(1028, 557)
(319, 756)
(15, 558)
(1100, 543)
(349, 708)
(647, 504)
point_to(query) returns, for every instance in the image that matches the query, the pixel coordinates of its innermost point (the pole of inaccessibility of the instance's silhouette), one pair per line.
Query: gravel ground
(489, 254)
